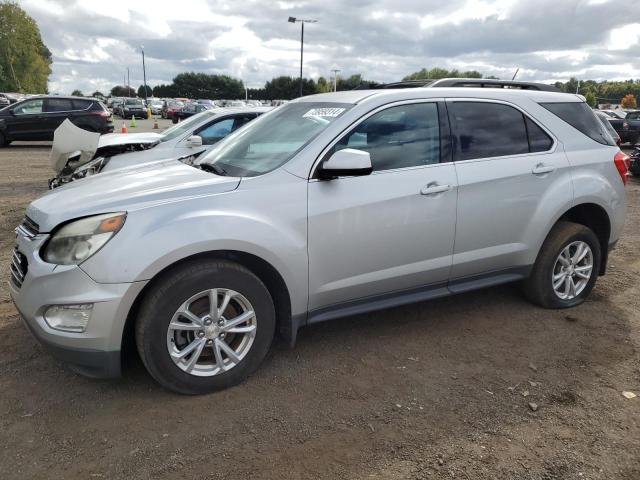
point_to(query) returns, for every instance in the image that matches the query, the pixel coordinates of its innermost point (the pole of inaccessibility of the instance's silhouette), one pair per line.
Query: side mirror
(346, 163)
(194, 141)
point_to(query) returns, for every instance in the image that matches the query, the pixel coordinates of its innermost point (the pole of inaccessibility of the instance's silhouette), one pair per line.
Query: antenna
(515, 74)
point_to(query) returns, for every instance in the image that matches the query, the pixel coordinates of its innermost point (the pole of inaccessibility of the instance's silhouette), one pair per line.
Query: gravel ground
(433, 390)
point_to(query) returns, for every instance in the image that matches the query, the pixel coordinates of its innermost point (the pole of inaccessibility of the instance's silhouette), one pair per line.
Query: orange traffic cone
(124, 128)
(155, 123)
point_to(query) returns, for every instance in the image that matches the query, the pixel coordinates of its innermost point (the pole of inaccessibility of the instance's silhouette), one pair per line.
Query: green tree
(141, 91)
(77, 93)
(591, 99)
(286, 88)
(25, 62)
(322, 86)
(437, 73)
(97, 94)
(203, 85)
(122, 91)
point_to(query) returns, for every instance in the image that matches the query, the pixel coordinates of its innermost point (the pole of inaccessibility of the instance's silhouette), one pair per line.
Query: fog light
(68, 318)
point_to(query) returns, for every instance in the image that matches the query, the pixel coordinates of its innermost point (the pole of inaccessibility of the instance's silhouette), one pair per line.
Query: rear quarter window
(81, 104)
(580, 116)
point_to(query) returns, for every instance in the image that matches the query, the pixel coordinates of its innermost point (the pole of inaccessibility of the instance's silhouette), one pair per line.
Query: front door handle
(541, 169)
(434, 188)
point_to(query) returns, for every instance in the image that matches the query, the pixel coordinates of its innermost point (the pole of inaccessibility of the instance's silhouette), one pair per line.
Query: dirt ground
(433, 390)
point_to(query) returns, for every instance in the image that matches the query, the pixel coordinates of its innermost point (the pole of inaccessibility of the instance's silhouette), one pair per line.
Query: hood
(71, 142)
(111, 139)
(73, 146)
(126, 190)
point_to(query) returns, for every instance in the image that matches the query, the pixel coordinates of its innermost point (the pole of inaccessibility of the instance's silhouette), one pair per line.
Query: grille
(19, 268)
(31, 227)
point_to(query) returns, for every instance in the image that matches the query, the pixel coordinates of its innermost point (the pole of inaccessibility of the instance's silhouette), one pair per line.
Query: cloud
(93, 42)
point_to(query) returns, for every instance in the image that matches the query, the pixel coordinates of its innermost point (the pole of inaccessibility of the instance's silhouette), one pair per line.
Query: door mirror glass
(346, 162)
(194, 141)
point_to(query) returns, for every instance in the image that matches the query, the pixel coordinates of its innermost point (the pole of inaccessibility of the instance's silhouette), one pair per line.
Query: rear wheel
(566, 268)
(205, 327)
(3, 140)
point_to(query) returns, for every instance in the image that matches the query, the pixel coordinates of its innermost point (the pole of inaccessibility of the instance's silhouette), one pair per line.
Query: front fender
(269, 224)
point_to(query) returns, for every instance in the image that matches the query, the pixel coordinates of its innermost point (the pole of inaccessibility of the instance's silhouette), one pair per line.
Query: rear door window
(81, 104)
(580, 116)
(484, 129)
(57, 105)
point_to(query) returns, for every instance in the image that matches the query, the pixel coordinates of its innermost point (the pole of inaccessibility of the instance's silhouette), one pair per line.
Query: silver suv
(328, 206)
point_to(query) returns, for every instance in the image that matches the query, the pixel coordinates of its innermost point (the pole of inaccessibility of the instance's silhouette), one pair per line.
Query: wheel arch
(596, 218)
(267, 273)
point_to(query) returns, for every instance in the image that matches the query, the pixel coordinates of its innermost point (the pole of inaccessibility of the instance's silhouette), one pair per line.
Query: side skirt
(404, 297)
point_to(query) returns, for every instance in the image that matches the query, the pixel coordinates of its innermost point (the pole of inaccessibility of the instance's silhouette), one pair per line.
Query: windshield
(273, 139)
(133, 101)
(182, 127)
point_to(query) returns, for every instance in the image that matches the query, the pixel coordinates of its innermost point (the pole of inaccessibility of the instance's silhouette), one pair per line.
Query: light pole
(128, 84)
(302, 21)
(335, 79)
(144, 74)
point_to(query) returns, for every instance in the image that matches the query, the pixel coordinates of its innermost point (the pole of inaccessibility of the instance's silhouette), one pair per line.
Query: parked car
(635, 162)
(328, 206)
(631, 128)
(170, 107)
(9, 98)
(189, 110)
(37, 118)
(75, 154)
(156, 106)
(609, 123)
(621, 114)
(133, 107)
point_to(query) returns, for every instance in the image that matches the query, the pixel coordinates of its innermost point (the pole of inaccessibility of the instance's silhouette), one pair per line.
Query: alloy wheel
(572, 270)
(211, 332)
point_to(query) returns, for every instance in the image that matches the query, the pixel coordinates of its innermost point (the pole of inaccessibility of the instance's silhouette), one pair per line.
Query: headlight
(75, 242)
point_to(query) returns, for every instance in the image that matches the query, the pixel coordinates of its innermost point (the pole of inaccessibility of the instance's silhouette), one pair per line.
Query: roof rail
(471, 82)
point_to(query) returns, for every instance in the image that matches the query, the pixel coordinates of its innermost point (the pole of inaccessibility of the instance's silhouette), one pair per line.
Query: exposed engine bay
(77, 153)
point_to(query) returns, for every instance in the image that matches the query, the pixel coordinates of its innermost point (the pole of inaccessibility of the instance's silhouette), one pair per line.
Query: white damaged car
(77, 153)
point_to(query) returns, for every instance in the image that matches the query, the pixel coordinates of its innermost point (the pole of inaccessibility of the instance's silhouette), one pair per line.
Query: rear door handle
(434, 188)
(541, 169)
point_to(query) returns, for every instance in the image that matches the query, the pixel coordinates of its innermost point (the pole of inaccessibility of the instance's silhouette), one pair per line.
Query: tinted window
(580, 116)
(32, 106)
(398, 137)
(539, 141)
(216, 131)
(633, 116)
(81, 104)
(488, 130)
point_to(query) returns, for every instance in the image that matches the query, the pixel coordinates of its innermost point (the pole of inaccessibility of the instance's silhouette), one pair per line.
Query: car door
(56, 111)
(506, 165)
(390, 232)
(28, 122)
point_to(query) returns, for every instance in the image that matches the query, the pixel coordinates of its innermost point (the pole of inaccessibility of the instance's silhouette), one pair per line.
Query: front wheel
(3, 140)
(205, 327)
(567, 267)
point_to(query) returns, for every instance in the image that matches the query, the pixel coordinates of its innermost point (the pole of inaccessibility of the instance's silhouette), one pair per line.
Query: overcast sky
(93, 41)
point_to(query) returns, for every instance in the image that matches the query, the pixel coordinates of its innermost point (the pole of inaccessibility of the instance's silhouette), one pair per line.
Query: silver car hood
(71, 142)
(125, 190)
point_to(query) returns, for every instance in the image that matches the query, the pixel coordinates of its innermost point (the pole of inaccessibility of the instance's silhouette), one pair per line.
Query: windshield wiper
(213, 168)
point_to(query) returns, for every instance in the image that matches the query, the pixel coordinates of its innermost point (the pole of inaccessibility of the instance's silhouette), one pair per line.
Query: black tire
(538, 288)
(3, 140)
(174, 120)
(170, 292)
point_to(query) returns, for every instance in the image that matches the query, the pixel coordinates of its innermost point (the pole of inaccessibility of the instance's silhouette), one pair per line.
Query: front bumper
(94, 352)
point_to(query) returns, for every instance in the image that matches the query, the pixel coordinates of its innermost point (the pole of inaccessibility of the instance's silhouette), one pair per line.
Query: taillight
(622, 162)
(102, 113)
